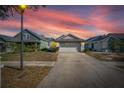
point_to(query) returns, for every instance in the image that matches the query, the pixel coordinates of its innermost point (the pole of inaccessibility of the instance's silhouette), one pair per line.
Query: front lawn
(30, 56)
(29, 77)
(107, 56)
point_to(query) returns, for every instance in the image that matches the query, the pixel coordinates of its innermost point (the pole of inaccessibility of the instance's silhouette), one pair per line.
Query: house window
(92, 45)
(26, 36)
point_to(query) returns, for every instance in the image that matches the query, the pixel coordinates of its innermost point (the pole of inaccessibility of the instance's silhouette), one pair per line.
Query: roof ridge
(69, 34)
(6, 38)
(35, 34)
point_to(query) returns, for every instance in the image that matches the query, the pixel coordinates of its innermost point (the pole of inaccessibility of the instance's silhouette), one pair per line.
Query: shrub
(54, 47)
(28, 49)
(17, 48)
(45, 49)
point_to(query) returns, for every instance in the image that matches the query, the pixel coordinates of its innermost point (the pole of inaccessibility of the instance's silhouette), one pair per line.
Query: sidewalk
(29, 63)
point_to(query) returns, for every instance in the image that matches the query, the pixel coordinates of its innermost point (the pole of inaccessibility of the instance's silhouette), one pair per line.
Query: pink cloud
(56, 15)
(100, 21)
(55, 23)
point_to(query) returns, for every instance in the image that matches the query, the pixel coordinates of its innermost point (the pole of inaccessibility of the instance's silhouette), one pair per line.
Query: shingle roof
(49, 39)
(39, 37)
(7, 38)
(97, 38)
(36, 35)
(61, 38)
(117, 35)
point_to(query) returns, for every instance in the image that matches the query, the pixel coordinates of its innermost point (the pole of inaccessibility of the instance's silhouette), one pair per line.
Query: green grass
(31, 56)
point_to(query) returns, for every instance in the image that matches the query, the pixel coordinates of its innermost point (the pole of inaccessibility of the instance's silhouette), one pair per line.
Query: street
(78, 70)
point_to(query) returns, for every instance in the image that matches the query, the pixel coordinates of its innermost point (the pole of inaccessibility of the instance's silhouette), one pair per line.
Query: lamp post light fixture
(22, 8)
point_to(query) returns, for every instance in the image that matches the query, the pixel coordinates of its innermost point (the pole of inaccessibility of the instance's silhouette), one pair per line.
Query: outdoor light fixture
(22, 8)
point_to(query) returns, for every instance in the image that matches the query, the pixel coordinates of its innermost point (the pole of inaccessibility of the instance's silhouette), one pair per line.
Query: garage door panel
(68, 49)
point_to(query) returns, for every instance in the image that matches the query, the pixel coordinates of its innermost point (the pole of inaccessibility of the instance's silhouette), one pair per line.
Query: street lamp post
(22, 8)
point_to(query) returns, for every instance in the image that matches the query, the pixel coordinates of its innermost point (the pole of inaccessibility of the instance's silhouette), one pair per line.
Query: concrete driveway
(78, 70)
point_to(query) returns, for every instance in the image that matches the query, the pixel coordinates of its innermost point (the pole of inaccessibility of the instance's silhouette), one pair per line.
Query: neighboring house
(112, 42)
(6, 43)
(49, 40)
(32, 38)
(94, 43)
(70, 41)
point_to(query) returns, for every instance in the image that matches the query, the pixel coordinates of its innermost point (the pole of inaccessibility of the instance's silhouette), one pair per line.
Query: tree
(10, 10)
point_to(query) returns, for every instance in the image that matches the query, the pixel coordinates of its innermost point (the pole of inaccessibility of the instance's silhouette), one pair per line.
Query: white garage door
(68, 49)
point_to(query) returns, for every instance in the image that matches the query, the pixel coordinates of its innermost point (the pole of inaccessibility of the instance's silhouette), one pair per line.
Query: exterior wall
(1, 41)
(68, 37)
(32, 38)
(88, 45)
(49, 43)
(101, 45)
(97, 46)
(43, 44)
(105, 47)
(10, 47)
(7, 47)
(109, 44)
(2, 47)
(82, 46)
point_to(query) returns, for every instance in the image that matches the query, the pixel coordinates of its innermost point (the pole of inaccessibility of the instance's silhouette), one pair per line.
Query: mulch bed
(29, 77)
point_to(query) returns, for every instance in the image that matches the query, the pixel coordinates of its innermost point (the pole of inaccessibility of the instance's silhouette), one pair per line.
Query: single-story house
(32, 38)
(113, 42)
(70, 41)
(6, 43)
(49, 39)
(94, 43)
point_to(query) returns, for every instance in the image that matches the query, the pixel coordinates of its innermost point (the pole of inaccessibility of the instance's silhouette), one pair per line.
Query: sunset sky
(82, 21)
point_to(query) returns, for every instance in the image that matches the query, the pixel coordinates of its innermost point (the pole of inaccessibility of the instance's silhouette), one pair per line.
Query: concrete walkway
(29, 63)
(78, 70)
